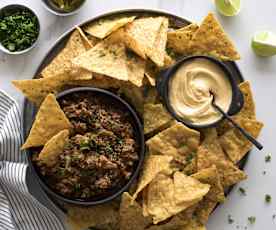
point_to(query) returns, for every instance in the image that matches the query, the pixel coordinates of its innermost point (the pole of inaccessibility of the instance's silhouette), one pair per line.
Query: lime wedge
(228, 7)
(264, 43)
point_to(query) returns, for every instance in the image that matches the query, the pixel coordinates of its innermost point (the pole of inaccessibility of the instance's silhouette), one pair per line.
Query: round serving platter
(29, 110)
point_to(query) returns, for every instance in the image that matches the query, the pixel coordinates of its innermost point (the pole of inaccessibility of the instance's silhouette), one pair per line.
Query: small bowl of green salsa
(63, 7)
(19, 29)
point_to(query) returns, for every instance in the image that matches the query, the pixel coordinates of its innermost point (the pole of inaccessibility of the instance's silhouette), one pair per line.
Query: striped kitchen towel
(19, 210)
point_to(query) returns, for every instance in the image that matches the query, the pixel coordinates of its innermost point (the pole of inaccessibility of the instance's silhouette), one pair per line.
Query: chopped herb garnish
(18, 30)
(230, 219)
(242, 191)
(252, 219)
(268, 158)
(268, 198)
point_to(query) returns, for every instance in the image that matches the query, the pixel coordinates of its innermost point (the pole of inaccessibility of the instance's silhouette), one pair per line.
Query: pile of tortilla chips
(186, 171)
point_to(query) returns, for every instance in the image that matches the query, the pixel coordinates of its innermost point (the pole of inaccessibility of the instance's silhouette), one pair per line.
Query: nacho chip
(211, 176)
(104, 27)
(105, 216)
(134, 95)
(187, 189)
(151, 95)
(162, 202)
(151, 72)
(179, 40)
(141, 34)
(204, 210)
(105, 58)
(248, 111)
(210, 39)
(154, 164)
(178, 141)
(53, 148)
(194, 224)
(235, 144)
(174, 223)
(157, 52)
(61, 64)
(49, 121)
(136, 69)
(86, 42)
(210, 153)
(229, 173)
(155, 117)
(168, 61)
(37, 89)
(131, 216)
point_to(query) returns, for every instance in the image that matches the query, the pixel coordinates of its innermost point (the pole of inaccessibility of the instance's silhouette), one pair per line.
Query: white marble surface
(255, 15)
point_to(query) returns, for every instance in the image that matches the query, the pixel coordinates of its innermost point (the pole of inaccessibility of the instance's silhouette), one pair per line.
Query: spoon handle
(244, 132)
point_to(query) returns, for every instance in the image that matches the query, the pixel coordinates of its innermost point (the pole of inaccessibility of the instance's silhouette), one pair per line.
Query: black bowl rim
(140, 135)
(163, 88)
(21, 6)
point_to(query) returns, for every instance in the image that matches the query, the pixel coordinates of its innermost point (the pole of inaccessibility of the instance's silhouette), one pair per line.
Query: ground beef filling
(101, 153)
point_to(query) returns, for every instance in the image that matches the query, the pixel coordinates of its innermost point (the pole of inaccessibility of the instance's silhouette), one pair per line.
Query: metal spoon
(244, 132)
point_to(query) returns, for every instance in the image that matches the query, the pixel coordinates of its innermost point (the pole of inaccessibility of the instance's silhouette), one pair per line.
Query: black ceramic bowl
(139, 136)
(163, 90)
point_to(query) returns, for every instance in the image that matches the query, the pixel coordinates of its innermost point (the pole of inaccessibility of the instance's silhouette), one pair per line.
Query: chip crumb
(273, 216)
(252, 219)
(264, 172)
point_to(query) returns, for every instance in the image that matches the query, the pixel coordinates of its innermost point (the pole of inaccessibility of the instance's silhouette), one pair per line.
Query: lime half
(264, 43)
(228, 7)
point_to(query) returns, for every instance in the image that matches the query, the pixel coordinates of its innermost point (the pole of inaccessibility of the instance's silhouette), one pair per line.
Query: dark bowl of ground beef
(104, 153)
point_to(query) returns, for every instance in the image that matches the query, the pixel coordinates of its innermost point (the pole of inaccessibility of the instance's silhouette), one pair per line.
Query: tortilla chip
(211, 176)
(105, 58)
(157, 52)
(151, 95)
(61, 64)
(49, 121)
(131, 216)
(235, 144)
(99, 81)
(155, 117)
(204, 210)
(105, 216)
(210, 153)
(162, 194)
(179, 40)
(191, 166)
(168, 61)
(210, 39)
(104, 27)
(194, 224)
(86, 42)
(141, 34)
(187, 189)
(174, 223)
(248, 111)
(154, 164)
(178, 141)
(151, 72)
(136, 68)
(133, 95)
(37, 89)
(53, 148)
